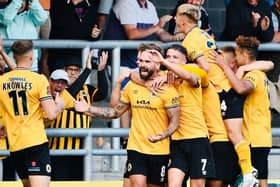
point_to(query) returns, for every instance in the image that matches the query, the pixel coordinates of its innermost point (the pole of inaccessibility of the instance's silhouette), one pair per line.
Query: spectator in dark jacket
(72, 19)
(248, 18)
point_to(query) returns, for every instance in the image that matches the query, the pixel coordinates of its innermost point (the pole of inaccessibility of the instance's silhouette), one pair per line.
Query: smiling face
(175, 56)
(147, 67)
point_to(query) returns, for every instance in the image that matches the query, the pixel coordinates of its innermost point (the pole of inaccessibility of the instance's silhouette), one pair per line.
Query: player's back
(198, 43)
(21, 93)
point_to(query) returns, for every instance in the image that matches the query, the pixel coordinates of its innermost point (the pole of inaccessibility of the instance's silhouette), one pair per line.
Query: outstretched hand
(81, 105)
(216, 58)
(59, 101)
(155, 85)
(89, 57)
(255, 18)
(156, 56)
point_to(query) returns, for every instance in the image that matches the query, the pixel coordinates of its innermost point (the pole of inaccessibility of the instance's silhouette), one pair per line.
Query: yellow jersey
(192, 124)
(212, 115)
(257, 120)
(149, 117)
(199, 43)
(21, 94)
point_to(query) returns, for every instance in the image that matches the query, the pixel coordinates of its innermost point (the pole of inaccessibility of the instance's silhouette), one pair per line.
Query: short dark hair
(21, 47)
(179, 48)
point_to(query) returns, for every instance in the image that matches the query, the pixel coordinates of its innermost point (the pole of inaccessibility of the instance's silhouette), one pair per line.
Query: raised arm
(116, 92)
(262, 65)
(5, 56)
(38, 14)
(239, 85)
(10, 12)
(202, 63)
(102, 112)
(53, 107)
(182, 73)
(102, 83)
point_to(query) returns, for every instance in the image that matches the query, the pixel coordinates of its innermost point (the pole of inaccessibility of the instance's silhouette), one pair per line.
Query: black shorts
(226, 162)
(259, 158)
(194, 157)
(154, 167)
(34, 160)
(231, 104)
(67, 168)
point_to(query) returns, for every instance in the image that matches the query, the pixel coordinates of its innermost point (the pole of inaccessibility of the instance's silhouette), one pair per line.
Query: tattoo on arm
(173, 116)
(107, 112)
(110, 113)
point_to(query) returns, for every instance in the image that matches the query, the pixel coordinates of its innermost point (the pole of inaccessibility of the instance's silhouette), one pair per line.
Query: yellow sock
(244, 157)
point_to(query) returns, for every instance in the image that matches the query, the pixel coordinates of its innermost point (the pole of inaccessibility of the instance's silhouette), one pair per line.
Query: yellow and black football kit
(199, 43)
(257, 126)
(21, 94)
(149, 117)
(257, 122)
(192, 124)
(190, 142)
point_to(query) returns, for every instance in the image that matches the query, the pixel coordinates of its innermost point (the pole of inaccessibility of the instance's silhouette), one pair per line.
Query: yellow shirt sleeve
(198, 72)
(252, 77)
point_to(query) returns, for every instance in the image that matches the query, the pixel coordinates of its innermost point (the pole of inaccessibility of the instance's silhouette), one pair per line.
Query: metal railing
(114, 132)
(88, 150)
